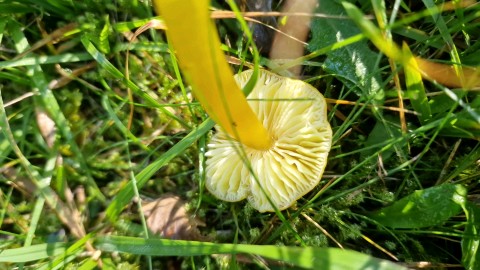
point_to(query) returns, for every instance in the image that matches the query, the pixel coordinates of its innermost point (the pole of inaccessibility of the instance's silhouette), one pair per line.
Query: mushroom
(295, 116)
(271, 149)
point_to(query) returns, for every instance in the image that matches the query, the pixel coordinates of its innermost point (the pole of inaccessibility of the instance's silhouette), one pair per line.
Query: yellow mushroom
(295, 115)
(282, 129)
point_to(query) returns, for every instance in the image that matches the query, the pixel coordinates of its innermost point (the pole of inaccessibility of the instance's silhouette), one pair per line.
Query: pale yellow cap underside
(295, 115)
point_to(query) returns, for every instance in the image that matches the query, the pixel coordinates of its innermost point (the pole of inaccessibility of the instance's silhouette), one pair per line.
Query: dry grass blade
(226, 14)
(18, 99)
(449, 161)
(155, 24)
(67, 215)
(379, 247)
(353, 103)
(54, 36)
(323, 230)
(447, 75)
(430, 265)
(68, 212)
(68, 77)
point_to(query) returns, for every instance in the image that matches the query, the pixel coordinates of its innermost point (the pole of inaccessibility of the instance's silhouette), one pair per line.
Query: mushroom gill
(294, 114)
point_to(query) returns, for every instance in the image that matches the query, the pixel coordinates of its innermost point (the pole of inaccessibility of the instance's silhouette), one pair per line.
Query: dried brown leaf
(68, 77)
(46, 126)
(167, 217)
(468, 78)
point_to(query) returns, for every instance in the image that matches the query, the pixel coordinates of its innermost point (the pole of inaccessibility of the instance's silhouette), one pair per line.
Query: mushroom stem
(287, 43)
(194, 37)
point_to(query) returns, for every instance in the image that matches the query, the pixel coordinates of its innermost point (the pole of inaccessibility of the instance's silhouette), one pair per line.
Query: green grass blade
(142, 46)
(110, 68)
(40, 202)
(305, 257)
(128, 26)
(380, 13)
(415, 89)
(68, 255)
(463, 124)
(31, 170)
(464, 163)
(385, 45)
(471, 239)
(16, 78)
(322, 51)
(118, 123)
(51, 59)
(48, 101)
(125, 195)
(442, 27)
(36, 215)
(471, 111)
(5, 198)
(11, 8)
(52, 6)
(32, 253)
(103, 43)
(3, 23)
(89, 264)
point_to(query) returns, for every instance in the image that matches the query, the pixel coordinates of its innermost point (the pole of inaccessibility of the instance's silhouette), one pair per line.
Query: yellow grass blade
(194, 37)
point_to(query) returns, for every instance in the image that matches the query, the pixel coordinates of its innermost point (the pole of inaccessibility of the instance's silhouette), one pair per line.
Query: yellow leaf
(469, 77)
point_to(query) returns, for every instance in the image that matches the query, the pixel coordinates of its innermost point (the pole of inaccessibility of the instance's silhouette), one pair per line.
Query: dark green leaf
(383, 131)
(354, 64)
(423, 208)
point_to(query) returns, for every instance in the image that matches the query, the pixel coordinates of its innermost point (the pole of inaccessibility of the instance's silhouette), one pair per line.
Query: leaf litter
(168, 217)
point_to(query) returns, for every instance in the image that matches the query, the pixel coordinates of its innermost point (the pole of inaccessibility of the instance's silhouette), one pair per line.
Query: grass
(401, 183)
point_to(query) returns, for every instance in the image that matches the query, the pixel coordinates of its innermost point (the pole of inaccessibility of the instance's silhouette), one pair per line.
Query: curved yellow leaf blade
(447, 75)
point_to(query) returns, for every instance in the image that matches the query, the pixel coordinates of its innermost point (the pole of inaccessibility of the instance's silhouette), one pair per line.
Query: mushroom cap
(295, 115)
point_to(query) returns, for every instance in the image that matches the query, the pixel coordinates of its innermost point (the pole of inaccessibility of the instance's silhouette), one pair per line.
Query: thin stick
(322, 229)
